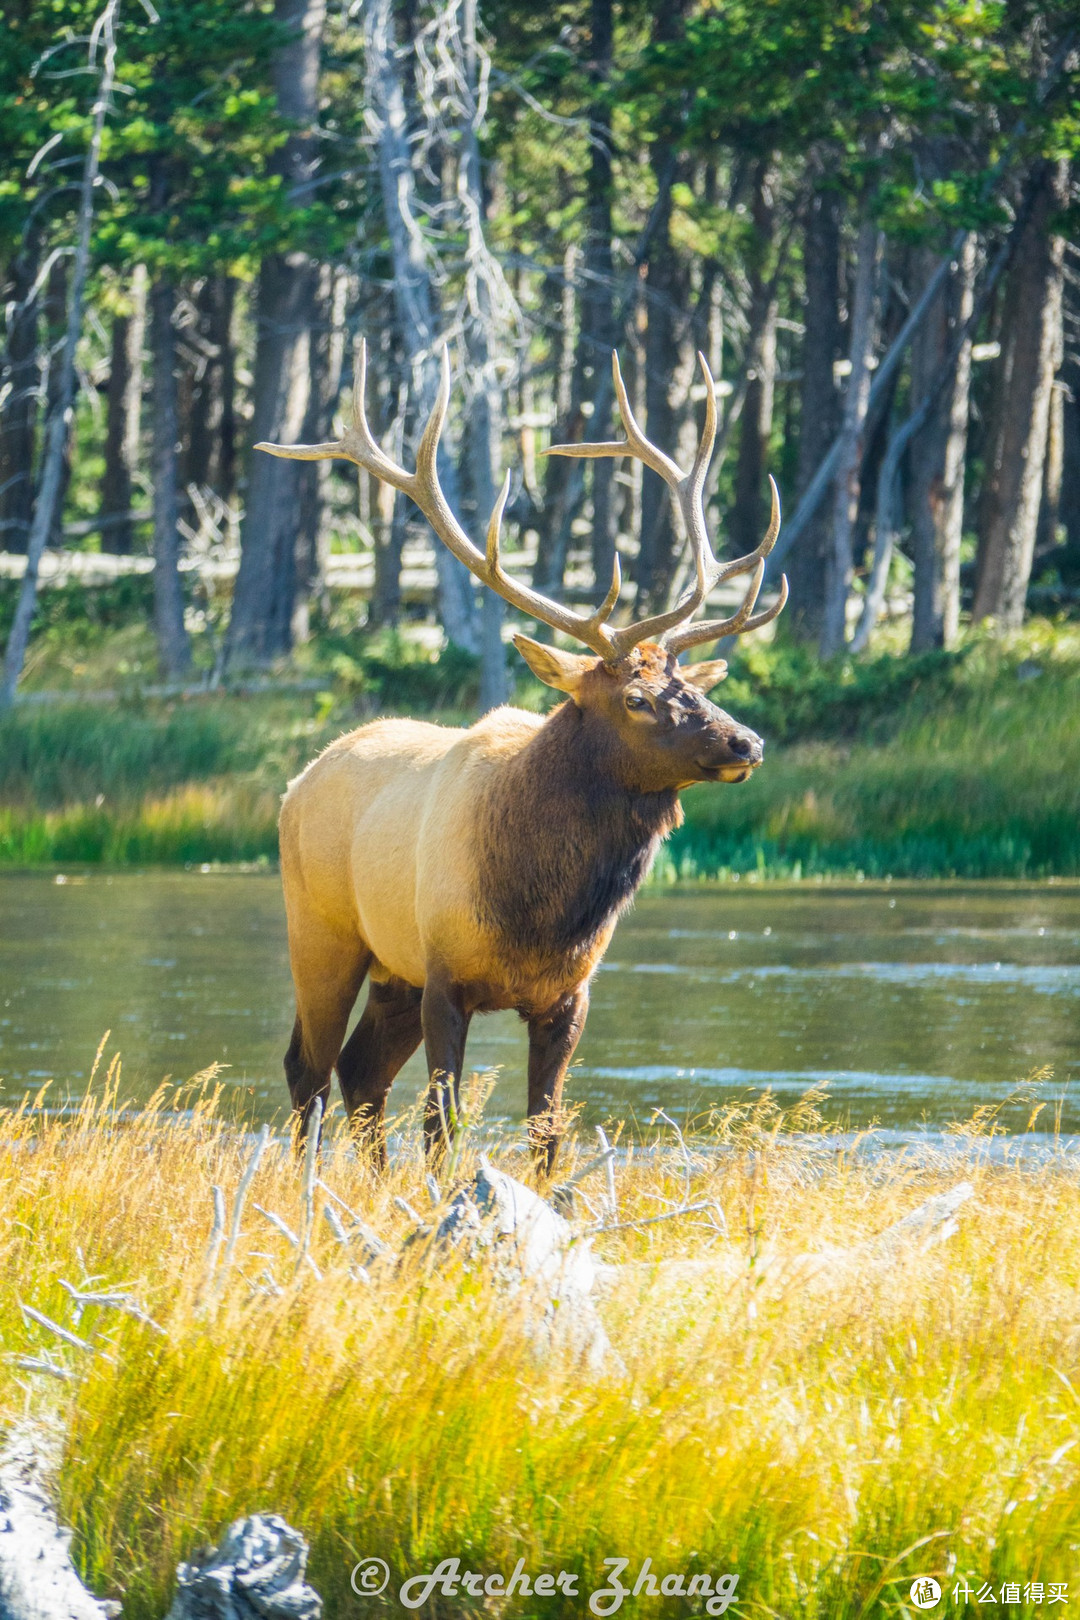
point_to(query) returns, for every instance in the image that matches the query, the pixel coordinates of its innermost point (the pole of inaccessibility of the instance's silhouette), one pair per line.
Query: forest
(862, 216)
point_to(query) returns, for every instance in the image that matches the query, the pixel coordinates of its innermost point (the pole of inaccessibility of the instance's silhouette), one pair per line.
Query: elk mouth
(729, 773)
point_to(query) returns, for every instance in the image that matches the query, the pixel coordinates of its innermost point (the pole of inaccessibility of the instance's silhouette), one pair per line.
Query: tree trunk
(1016, 448)
(174, 649)
(819, 406)
(18, 416)
(415, 296)
(324, 390)
(54, 308)
(746, 519)
(563, 476)
(598, 328)
(483, 440)
(937, 457)
(123, 409)
(225, 466)
(261, 625)
(838, 559)
(59, 425)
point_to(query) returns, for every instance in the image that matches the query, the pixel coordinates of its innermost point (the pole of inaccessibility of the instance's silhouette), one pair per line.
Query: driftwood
(37, 1578)
(257, 1573)
(535, 1252)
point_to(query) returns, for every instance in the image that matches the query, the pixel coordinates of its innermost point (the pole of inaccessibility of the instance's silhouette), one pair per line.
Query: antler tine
(422, 486)
(712, 629)
(740, 565)
(688, 489)
(358, 444)
(740, 623)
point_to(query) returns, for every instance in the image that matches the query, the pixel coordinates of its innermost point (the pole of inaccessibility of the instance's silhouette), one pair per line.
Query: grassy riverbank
(829, 1434)
(960, 765)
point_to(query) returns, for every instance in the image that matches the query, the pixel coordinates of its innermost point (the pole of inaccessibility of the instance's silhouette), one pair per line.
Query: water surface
(913, 1003)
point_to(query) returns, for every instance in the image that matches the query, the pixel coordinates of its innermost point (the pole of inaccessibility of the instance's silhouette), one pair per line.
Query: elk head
(668, 734)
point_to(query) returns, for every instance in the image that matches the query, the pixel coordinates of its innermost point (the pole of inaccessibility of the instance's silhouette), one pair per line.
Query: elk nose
(746, 745)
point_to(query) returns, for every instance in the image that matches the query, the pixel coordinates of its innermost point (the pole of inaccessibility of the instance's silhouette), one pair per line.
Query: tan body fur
(380, 844)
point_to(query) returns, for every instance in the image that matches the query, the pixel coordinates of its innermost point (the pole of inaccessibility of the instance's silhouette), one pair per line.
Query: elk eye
(634, 700)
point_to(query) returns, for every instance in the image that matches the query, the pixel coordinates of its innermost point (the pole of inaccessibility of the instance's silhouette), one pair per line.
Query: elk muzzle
(730, 754)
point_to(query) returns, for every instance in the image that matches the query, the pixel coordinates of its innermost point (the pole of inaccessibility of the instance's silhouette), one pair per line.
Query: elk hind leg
(328, 971)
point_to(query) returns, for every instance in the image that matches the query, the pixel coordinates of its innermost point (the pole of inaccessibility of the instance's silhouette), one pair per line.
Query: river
(913, 1003)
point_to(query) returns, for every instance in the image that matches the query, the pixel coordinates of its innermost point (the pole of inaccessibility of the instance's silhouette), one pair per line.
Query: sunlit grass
(960, 765)
(827, 1437)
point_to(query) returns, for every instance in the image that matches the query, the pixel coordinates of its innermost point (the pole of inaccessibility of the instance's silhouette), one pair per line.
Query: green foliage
(951, 765)
(974, 774)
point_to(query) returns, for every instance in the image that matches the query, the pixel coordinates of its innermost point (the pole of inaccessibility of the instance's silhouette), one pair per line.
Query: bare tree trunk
(1047, 537)
(1016, 451)
(819, 405)
(745, 521)
(261, 624)
(598, 322)
(18, 416)
(937, 455)
(327, 355)
(414, 295)
(225, 463)
(846, 502)
(563, 477)
(123, 411)
(174, 649)
(203, 405)
(54, 308)
(484, 437)
(59, 425)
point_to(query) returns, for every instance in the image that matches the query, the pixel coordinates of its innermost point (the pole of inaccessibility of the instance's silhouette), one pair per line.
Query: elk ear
(705, 675)
(565, 671)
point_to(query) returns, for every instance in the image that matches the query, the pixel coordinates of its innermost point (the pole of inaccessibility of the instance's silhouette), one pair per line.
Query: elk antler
(423, 487)
(689, 491)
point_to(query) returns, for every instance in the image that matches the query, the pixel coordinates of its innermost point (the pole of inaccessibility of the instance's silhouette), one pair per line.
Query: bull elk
(465, 871)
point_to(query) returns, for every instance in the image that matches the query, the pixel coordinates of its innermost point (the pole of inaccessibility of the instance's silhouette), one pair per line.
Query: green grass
(963, 765)
(829, 1433)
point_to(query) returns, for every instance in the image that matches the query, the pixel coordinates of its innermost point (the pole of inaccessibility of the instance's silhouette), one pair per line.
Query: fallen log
(256, 1573)
(37, 1578)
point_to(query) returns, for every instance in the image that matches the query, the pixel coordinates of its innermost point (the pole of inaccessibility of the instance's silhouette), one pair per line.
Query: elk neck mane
(563, 842)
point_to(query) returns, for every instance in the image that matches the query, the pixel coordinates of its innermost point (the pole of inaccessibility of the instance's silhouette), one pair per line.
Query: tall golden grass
(829, 1437)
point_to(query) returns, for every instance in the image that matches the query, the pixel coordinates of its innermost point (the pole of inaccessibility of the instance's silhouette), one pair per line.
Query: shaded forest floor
(964, 764)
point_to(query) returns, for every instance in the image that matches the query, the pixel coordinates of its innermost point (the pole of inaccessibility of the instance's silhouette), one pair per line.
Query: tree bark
(1016, 448)
(746, 521)
(937, 456)
(563, 477)
(123, 409)
(326, 358)
(598, 322)
(839, 562)
(18, 418)
(261, 624)
(819, 406)
(59, 424)
(174, 649)
(415, 296)
(483, 439)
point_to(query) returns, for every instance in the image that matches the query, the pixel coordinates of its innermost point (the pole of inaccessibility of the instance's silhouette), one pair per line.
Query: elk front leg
(446, 1024)
(553, 1038)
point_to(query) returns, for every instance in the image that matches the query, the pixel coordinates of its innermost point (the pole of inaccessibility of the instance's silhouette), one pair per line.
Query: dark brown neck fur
(564, 843)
